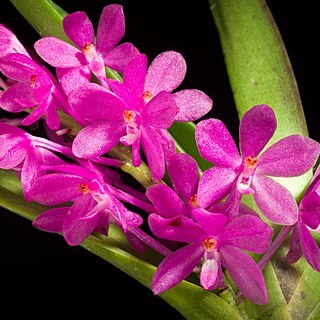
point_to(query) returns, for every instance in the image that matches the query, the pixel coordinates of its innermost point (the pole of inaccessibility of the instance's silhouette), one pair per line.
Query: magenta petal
(210, 222)
(81, 220)
(275, 201)
(111, 27)
(73, 78)
(135, 74)
(247, 232)
(289, 157)
(119, 57)
(136, 156)
(9, 100)
(56, 188)
(58, 53)
(209, 274)
(216, 145)
(310, 209)
(52, 117)
(176, 267)
(295, 251)
(94, 103)
(166, 72)
(184, 174)
(214, 185)
(257, 126)
(78, 28)
(180, 228)
(36, 114)
(151, 142)
(97, 139)
(165, 200)
(19, 67)
(51, 220)
(160, 111)
(31, 170)
(193, 104)
(245, 273)
(309, 247)
(14, 144)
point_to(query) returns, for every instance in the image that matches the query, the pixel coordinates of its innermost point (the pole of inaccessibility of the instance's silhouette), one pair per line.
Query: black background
(39, 274)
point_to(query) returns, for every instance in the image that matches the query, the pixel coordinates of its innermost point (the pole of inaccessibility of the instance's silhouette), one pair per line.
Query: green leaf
(260, 72)
(44, 16)
(259, 68)
(189, 299)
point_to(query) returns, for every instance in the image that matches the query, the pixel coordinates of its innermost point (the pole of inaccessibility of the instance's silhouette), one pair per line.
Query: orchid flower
(213, 242)
(249, 173)
(93, 55)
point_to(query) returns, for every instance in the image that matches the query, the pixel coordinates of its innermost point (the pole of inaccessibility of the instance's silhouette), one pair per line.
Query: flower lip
(87, 47)
(193, 201)
(128, 115)
(147, 96)
(210, 244)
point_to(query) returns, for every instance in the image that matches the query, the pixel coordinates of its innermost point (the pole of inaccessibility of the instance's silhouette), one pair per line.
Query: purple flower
(184, 174)
(302, 242)
(9, 43)
(33, 87)
(94, 206)
(249, 173)
(132, 120)
(20, 153)
(93, 55)
(213, 243)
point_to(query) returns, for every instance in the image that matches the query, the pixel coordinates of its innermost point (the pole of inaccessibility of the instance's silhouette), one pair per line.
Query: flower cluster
(199, 215)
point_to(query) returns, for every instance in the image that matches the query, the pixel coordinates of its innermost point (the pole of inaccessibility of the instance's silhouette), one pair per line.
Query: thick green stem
(259, 68)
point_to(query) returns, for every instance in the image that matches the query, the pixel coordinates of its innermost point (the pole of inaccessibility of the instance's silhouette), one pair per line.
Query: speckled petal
(216, 145)
(166, 72)
(51, 220)
(257, 126)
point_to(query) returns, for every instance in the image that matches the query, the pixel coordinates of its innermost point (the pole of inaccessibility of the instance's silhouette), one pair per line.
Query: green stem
(259, 68)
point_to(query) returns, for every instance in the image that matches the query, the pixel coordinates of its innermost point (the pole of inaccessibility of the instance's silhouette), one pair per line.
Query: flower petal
(19, 67)
(76, 227)
(56, 188)
(310, 210)
(179, 228)
(214, 185)
(275, 201)
(51, 220)
(94, 103)
(166, 72)
(211, 223)
(209, 274)
(36, 114)
(160, 111)
(166, 201)
(78, 28)
(289, 157)
(176, 267)
(295, 251)
(216, 145)
(111, 27)
(247, 232)
(119, 57)
(135, 74)
(184, 174)
(257, 126)
(14, 146)
(9, 100)
(245, 273)
(97, 139)
(151, 143)
(58, 53)
(193, 104)
(73, 78)
(309, 247)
